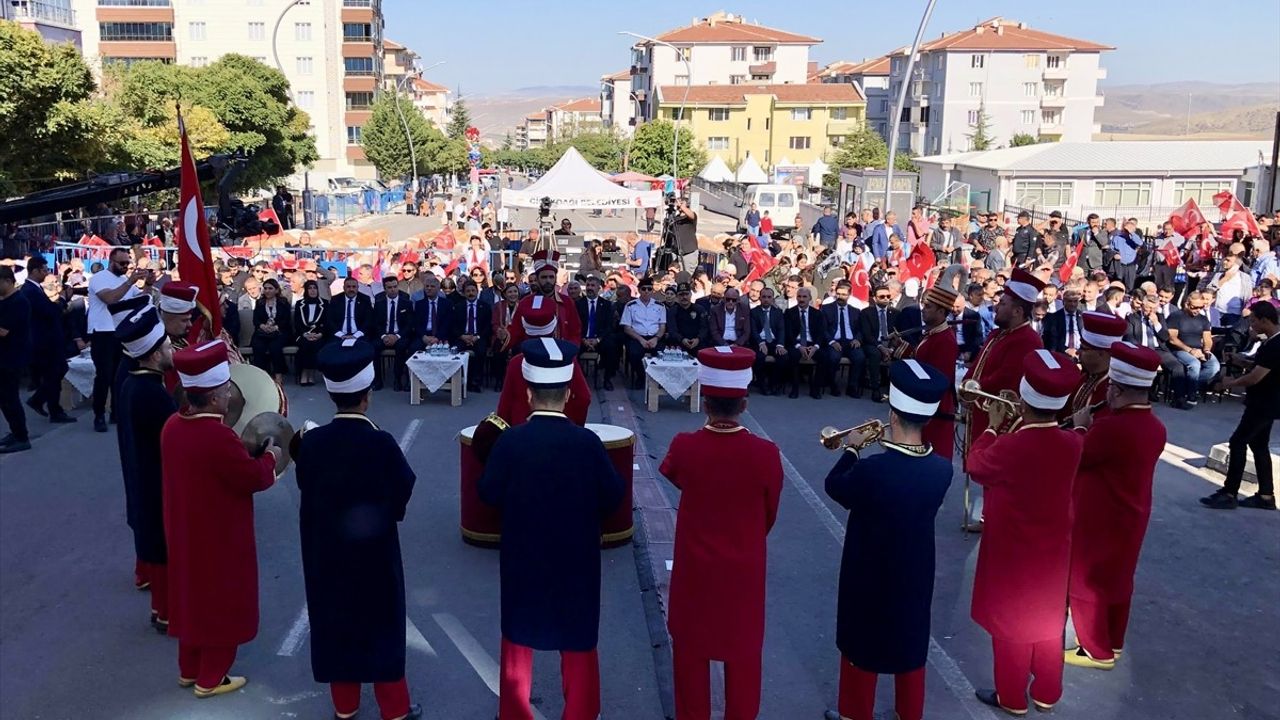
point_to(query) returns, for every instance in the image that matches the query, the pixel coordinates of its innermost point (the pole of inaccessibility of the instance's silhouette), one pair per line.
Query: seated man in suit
(1062, 328)
(432, 313)
(968, 328)
(687, 323)
(842, 324)
(729, 323)
(806, 337)
(875, 324)
(1149, 329)
(599, 328)
(644, 322)
(768, 339)
(472, 326)
(392, 328)
(349, 314)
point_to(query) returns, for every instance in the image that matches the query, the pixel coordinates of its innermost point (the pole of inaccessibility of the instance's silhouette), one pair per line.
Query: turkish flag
(1073, 257)
(860, 286)
(195, 258)
(761, 263)
(1241, 220)
(918, 264)
(1187, 219)
(1227, 203)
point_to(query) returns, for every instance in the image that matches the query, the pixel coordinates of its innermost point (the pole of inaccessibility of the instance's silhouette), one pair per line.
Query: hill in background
(495, 115)
(1243, 111)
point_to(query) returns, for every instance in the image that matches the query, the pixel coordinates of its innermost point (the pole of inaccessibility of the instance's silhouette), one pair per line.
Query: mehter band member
(550, 553)
(938, 349)
(1099, 332)
(539, 321)
(355, 484)
(568, 326)
(1020, 588)
(730, 482)
(892, 498)
(209, 483)
(1112, 505)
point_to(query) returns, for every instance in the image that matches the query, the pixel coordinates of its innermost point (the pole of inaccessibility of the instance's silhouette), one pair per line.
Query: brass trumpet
(833, 439)
(972, 393)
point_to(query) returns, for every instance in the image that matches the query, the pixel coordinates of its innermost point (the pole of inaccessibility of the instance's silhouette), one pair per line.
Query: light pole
(413, 155)
(902, 99)
(308, 218)
(688, 83)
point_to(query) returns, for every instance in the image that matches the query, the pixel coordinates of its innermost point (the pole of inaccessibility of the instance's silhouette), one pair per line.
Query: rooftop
(624, 74)
(999, 34)
(789, 93)
(389, 44)
(427, 86)
(1128, 156)
(580, 105)
(728, 28)
(874, 66)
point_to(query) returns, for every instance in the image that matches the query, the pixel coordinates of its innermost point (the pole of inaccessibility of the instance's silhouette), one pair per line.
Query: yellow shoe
(229, 684)
(185, 682)
(1080, 658)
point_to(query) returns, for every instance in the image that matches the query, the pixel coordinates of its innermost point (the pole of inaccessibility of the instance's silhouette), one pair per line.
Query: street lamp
(308, 219)
(688, 82)
(902, 100)
(413, 155)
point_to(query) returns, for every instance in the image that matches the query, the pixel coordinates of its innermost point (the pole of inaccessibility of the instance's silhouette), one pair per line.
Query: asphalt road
(74, 642)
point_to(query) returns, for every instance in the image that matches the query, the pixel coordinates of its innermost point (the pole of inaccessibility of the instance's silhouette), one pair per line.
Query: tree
(1020, 139)
(980, 138)
(459, 121)
(507, 143)
(651, 150)
(602, 150)
(384, 141)
(863, 149)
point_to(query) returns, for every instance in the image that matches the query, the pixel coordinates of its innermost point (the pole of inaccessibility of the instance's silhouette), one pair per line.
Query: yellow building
(794, 122)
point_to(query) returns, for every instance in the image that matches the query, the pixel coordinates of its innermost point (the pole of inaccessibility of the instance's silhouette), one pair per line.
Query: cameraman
(684, 226)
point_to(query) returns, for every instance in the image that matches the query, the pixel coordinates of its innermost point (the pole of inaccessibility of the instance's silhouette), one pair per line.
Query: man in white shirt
(644, 322)
(111, 285)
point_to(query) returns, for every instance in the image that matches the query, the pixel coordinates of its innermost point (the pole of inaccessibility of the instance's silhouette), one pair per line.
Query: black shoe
(877, 396)
(7, 440)
(608, 385)
(15, 446)
(61, 419)
(1259, 502)
(835, 391)
(1220, 500)
(852, 392)
(815, 393)
(415, 712)
(36, 407)
(99, 424)
(989, 697)
(832, 715)
(856, 393)
(795, 392)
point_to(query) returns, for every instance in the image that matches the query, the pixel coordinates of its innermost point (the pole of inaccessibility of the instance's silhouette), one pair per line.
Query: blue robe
(554, 483)
(144, 407)
(886, 573)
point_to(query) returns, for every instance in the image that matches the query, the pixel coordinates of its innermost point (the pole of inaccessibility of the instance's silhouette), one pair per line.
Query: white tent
(750, 173)
(817, 170)
(573, 184)
(716, 171)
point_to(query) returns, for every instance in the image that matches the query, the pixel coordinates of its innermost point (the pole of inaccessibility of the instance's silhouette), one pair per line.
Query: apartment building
(432, 100)
(331, 51)
(872, 79)
(723, 49)
(800, 123)
(397, 64)
(617, 103)
(574, 117)
(1025, 81)
(532, 133)
(55, 20)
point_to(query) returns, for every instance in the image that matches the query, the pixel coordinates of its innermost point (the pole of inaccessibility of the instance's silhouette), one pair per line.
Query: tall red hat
(539, 316)
(178, 297)
(1048, 379)
(725, 371)
(544, 259)
(1102, 330)
(1024, 285)
(204, 367)
(1133, 365)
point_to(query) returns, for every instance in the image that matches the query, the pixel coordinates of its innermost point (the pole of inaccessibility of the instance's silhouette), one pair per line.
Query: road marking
(291, 699)
(943, 663)
(470, 648)
(413, 638)
(410, 434)
(297, 633)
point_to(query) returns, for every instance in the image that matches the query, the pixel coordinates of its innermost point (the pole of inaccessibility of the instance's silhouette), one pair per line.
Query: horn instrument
(972, 393)
(833, 439)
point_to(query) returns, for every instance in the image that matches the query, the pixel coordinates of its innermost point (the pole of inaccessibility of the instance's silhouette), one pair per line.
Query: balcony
(359, 83)
(1056, 73)
(1051, 128)
(768, 68)
(357, 15)
(841, 127)
(1053, 101)
(45, 13)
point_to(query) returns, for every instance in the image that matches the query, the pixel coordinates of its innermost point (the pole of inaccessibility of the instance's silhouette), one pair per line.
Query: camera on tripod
(544, 207)
(671, 202)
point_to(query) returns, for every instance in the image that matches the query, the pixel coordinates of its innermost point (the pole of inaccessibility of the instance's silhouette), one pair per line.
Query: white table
(433, 372)
(677, 379)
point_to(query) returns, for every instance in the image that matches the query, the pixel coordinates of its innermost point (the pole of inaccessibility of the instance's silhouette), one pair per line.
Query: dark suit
(1055, 333)
(404, 328)
(971, 329)
(336, 314)
(845, 331)
(869, 320)
(818, 338)
(433, 318)
(687, 324)
(1140, 333)
(741, 325)
(603, 326)
(48, 356)
(481, 326)
(268, 348)
(773, 320)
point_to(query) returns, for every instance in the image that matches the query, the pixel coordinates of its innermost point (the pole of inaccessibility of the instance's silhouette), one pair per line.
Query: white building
(618, 103)
(723, 49)
(573, 117)
(432, 100)
(330, 51)
(1025, 81)
(1146, 180)
(55, 20)
(872, 78)
(532, 133)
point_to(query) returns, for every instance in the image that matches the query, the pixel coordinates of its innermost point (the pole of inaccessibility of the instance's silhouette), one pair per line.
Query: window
(134, 3)
(1050, 117)
(1053, 62)
(1128, 194)
(798, 142)
(1202, 191)
(767, 123)
(718, 114)
(195, 31)
(977, 61)
(839, 113)
(353, 135)
(305, 65)
(678, 113)
(685, 53)
(1030, 89)
(357, 3)
(1032, 61)
(302, 32)
(1053, 90)
(1043, 194)
(975, 89)
(199, 61)
(937, 61)
(136, 31)
(738, 54)
(737, 79)
(357, 32)
(895, 65)
(973, 117)
(883, 129)
(835, 140)
(1028, 117)
(131, 61)
(682, 79)
(762, 54)
(717, 143)
(884, 105)
(359, 100)
(760, 78)
(748, 123)
(1246, 193)
(358, 65)
(306, 99)
(257, 31)
(801, 113)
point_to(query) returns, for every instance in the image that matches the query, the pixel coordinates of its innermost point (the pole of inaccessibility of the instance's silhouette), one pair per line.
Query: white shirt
(644, 319)
(730, 332)
(99, 317)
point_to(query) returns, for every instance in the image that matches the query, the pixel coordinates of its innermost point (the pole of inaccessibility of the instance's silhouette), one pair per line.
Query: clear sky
(498, 45)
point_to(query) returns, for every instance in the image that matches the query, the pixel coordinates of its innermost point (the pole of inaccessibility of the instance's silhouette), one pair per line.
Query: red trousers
(158, 576)
(1015, 662)
(206, 665)
(1100, 627)
(140, 579)
(858, 693)
(579, 677)
(693, 686)
(392, 697)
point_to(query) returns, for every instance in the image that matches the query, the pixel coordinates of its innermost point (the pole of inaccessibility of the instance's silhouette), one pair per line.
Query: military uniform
(691, 322)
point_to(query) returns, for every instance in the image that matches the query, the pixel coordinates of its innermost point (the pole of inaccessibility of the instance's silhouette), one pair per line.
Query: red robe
(997, 367)
(730, 482)
(1020, 589)
(513, 404)
(209, 482)
(568, 325)
(1112, 502)
(938, 349)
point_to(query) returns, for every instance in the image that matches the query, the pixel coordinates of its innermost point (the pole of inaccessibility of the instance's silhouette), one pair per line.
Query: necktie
(804, 320)
(431, 314)
(471, 318)
(1148, 333)
(350, 324)
(1071, 330)
(591, 318)
(845, 330)
(391, 318)
(884, 322)
(768, 330)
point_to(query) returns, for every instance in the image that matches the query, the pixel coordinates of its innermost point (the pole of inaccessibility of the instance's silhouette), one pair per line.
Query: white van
(782, 202)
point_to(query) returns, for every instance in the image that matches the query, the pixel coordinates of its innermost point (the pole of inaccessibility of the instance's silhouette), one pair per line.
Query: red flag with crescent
(859, 286)
(1069, 265)
(1187, 219)
(195, 257)
(1227, 203)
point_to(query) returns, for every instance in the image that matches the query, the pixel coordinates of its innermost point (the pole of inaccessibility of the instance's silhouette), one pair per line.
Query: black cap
(684, 287)
(646, 283)
(1024, 214)
(1055, 214)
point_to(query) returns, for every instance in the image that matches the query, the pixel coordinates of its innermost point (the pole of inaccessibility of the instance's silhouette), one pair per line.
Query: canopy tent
(573, 184)
(750, 173)
(785, 161)
(716, 171)
(817, 170)
(631, 176)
